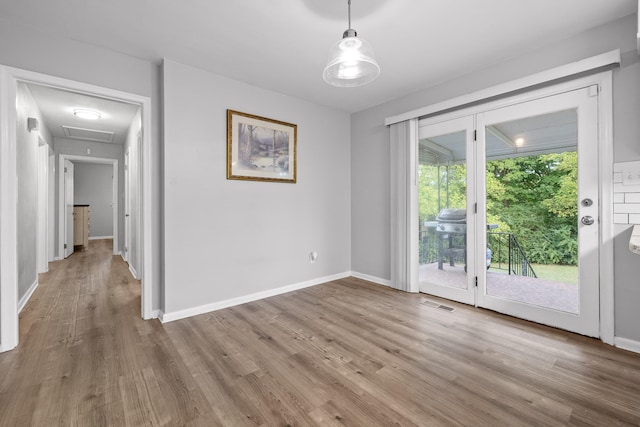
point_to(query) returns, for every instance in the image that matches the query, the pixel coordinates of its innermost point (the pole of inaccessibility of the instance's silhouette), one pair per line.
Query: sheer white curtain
(404, 205)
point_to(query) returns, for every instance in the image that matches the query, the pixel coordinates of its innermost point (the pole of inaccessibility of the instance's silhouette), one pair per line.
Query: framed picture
(260, 149)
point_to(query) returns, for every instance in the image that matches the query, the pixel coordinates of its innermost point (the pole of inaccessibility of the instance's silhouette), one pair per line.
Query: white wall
(93, 186)
(370, 149)
(27, 152)
(225, 238)
(29, 49)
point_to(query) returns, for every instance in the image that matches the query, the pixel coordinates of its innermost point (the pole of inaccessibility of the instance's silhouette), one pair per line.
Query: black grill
(452, 233)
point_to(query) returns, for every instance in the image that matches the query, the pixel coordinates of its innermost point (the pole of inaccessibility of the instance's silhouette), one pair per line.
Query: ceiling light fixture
(86, 114)
(519, 142)
(351, 61)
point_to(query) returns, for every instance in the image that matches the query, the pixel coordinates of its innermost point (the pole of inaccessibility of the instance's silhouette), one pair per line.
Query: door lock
(587, 220)
(587, 202)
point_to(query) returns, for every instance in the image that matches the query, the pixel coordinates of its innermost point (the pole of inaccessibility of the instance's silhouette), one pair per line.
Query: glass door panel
(532, 193)
(445, 235)
(539, 161)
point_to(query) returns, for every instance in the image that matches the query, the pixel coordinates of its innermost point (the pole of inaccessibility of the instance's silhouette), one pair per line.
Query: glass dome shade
(351, 63)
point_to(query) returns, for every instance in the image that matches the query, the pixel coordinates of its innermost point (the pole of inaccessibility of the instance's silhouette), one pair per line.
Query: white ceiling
(282, 44)
(57, 108)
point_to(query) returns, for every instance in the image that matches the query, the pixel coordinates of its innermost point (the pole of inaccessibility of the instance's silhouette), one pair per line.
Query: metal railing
(506, 252)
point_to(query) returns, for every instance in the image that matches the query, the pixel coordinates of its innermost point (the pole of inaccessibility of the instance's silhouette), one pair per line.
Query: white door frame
(43, 206)
(604, 81)
(62, 202)
(67, 212)
(127, 207)
(9, 78)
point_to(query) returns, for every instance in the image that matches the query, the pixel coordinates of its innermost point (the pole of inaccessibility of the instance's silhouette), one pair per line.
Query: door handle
(126, 214)
(587, 220)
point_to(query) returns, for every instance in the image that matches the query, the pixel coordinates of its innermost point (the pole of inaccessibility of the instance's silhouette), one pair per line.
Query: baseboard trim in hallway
(27, 296)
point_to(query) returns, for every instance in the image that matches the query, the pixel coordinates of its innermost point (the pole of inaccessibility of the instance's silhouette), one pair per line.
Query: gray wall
(27, 210)
(26, 48)
(370, 149)
(93, 186)
(227, 238)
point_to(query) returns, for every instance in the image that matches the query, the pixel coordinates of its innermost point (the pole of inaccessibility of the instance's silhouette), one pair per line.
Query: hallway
(85, 356)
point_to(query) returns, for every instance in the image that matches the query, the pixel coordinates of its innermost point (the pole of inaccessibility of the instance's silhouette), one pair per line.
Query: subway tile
(620, 218)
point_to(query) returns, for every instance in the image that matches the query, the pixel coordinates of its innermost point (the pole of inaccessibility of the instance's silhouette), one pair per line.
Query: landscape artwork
(260, 149)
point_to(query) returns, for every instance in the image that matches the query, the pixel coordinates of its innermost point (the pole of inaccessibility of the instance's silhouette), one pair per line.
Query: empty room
(336, 212)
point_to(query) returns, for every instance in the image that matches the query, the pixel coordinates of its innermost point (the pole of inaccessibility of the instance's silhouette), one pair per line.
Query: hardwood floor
(343, 353)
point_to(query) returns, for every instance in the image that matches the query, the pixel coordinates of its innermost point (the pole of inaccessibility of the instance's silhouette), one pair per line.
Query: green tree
(534, 197)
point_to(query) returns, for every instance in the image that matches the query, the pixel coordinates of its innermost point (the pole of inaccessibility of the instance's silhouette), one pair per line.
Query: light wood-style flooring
(344, 353)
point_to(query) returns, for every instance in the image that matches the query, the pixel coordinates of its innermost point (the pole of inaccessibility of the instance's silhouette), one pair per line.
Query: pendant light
(351, 61)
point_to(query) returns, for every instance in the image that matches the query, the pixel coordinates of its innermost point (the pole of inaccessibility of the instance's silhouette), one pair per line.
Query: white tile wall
(626, 193)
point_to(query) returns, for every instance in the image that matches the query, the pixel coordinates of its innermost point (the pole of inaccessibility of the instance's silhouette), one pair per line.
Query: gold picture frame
(261, 149)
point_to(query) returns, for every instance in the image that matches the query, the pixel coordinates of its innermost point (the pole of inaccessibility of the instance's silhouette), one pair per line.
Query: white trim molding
(100, 238)
(592, 64)
(607, 235)
(372, 279)
(214, 306)
(8, 213)
(27, 296)
(627, 344)
(133, 272)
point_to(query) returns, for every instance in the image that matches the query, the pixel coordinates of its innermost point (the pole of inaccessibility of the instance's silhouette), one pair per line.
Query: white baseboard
(25, 298)
(155, 314)
(627, 344)
(206, 308)
(100, 237)
(133, 272)
(373, 279)
(3, 349)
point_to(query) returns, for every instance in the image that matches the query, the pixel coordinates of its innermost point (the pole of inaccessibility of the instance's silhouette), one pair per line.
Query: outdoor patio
(530, 290)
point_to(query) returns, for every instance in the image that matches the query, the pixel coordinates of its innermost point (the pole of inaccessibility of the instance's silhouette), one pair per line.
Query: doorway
(505, 192)
(67, 187)
(9, 80)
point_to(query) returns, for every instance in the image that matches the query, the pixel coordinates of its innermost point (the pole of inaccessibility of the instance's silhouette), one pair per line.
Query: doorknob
(587, 220)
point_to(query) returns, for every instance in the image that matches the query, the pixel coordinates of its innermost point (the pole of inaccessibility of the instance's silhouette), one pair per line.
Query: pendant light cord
(349, 6)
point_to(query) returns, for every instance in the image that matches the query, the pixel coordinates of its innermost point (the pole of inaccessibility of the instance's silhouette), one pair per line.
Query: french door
(509, 207)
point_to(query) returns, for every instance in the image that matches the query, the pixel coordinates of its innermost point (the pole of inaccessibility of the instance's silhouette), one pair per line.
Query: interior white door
(445, 166)
(68, 202)
(563, 124)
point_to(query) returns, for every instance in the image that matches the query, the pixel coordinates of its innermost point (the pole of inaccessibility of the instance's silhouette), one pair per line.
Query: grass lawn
(558, 273)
